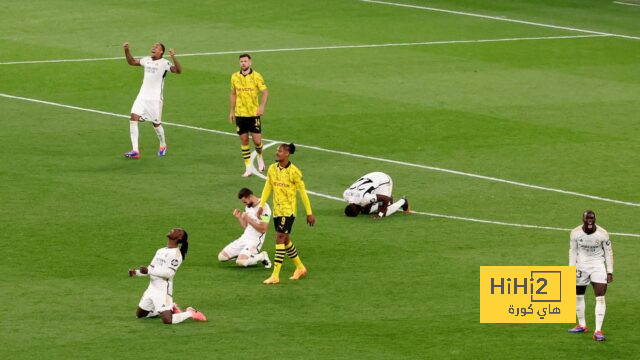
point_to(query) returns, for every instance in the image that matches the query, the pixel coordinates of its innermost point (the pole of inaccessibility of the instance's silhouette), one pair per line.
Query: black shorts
(248, 124)
(283, 224)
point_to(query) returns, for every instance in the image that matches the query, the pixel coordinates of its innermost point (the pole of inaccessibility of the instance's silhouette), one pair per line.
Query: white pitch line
(499, 18)
(345, 153)
(333, 47)
(625, 3)
(451, 217)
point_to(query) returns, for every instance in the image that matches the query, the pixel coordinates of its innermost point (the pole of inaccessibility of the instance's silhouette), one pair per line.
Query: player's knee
(242, 262)
(223, 256)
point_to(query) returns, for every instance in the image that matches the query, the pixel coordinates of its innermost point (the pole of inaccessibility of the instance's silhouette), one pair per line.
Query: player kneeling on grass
(591, 253)
(246, 249)
(158, 298)
(371, 194)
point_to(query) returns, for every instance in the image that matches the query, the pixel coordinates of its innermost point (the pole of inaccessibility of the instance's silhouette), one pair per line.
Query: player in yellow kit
(285, 179)
(244, 110)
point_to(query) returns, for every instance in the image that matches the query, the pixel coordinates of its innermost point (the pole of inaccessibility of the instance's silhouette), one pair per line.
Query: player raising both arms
(590, 252)
(158, 298)
(245, 111)
(371, 194)
(246, 249)
(148, 104)
(285, 179)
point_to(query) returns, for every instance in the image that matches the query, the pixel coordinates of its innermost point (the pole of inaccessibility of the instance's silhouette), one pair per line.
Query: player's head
(157, 50)
(284, 150)
(352, 210)
(179, 236)
(589, 221)
(245, 61)
(246, 196)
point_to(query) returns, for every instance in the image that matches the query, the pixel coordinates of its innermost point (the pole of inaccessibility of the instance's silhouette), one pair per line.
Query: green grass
(75, 215)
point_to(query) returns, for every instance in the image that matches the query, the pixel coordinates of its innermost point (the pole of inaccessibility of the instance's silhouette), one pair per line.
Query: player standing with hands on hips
(148, 103)
(591, 253)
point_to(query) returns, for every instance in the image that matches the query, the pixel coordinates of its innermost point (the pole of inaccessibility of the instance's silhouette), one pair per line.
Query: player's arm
(264, 95)
(176, 68)
(166, 272)
(232, 103)
(311, 219)
(240, 216)
(130, 59)
(384, 201)
(608, 258)
(260, 225)
(573, 250)
(266, 192)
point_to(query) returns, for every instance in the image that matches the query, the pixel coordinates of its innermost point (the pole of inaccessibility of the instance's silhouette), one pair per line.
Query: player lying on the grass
(591, 253)
(246, 249)
(371, 194)
(158, 298)
(148, 104)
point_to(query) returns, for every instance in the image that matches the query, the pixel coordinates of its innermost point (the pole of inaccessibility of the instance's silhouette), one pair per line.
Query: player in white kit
(246, 249)
(148, 104)
(590, 252)
(158, 298)
(372, 194)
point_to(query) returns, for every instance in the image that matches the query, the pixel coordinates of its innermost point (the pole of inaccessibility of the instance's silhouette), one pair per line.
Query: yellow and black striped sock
(246, 154)
(277, 260)
(258, 148)
(292, 252)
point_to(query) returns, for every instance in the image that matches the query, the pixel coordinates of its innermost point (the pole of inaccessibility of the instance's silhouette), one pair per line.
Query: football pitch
(500, 121)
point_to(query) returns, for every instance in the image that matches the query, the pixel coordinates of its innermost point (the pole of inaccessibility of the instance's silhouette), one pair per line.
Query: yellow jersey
(247, 88)
(284, 182)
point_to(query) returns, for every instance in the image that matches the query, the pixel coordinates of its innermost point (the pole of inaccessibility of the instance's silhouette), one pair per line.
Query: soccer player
(158, 298)
(245, 111)
(148, 104)
(246, 249)
(284, 179)
(590, 252)
(371, 194)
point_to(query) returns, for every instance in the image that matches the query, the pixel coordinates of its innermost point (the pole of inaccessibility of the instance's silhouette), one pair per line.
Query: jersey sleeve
(262, 86)
(608, 253)
(168, 66)
(297, 179)
(266, 213)
(232, 86)
(144, 61)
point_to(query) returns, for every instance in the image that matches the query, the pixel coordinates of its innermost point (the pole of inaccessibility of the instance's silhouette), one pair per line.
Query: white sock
(395, 206)
(160, 133)
(252, 260)
(133, 130)
(601, 307)
(180, 317)
(580, 310)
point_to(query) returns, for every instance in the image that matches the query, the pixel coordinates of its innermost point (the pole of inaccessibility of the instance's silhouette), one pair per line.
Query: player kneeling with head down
(371, 194)
(246, 249)
(158, 298)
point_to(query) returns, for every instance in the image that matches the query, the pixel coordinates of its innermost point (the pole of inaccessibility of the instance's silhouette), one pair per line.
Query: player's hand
(232, 117)
(126, 46)
(144, 270)
(237, 213)
(132, 272)
(260, 110)
(311, 220)
(260, 210)
(172, 52)
(609, 278)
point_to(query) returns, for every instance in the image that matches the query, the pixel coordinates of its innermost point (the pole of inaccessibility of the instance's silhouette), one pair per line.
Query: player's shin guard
(277, 260)
(259, 149)
(292, 252)
(180, 317)
(395, 207)
(160, 133)
(601, 307)
(246, 155)
(580, 310)
(133, 131)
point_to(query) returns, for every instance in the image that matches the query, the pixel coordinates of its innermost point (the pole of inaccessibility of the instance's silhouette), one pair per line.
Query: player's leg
(599, 283)
(402, 203)
(582, 280)
(133, 134)
(250, 256)
(243, 133)
(156, 118)
(256, 135)
(140, 313)
(281, 237)
(232, 250)
(291, 250)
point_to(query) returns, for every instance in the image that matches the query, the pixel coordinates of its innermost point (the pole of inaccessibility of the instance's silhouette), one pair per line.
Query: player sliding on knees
(371, 194)
(158, 298)
(246, 249)
(591, 253)
(148, 104)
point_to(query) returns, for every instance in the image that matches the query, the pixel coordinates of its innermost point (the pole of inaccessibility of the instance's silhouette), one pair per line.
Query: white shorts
(244, 245)
(591, 274)
(386, 189)
(154, 300)
(149, 110)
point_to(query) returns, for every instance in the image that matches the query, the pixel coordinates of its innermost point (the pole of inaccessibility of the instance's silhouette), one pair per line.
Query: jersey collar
(249, 73)
(284, 167)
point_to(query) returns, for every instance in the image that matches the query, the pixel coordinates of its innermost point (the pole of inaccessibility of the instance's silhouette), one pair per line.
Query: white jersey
(363, 191)
(252, 212)
(593, 250)
(163, 268)
(153, 82)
